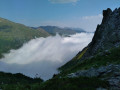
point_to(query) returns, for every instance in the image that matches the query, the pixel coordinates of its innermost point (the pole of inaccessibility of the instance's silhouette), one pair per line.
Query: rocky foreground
(110, 73)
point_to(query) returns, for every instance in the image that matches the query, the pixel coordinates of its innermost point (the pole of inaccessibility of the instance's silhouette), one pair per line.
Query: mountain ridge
(13, 35)
(101, 57)
(104, 39)
(97, 66)
(62, 31)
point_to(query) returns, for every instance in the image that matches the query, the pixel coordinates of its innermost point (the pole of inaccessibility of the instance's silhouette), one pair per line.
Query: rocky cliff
(106, 37)
(101, 57)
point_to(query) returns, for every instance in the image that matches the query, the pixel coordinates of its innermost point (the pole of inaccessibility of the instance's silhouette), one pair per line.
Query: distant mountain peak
(62, 31)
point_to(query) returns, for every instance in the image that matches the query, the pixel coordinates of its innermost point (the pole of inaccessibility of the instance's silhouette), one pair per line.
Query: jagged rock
(107, 34)
(111, 73)
(114, 81)
(72, 75)
(106, 37)
(106, 14)
(101, 88)
(88, 73)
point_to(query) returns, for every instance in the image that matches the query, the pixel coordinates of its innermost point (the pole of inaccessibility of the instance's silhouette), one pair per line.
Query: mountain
(97, 66)
(77, 30)
(62, 31)
(107, 35)
(13, 35)
(101, 58)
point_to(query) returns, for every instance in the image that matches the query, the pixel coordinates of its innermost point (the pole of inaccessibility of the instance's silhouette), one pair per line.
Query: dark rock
(107, 34)
(100, 88)
(106, 14)
(111, 73)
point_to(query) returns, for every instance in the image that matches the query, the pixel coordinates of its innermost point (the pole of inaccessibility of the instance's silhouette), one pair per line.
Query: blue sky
(84, 14)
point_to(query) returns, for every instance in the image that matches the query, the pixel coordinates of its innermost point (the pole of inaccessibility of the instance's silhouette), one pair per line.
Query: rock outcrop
(107, 35)
(110, 73)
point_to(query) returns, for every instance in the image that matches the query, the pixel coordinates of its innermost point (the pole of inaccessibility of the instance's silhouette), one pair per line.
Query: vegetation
(13, 35)
(74, 61)
(61, 82)
(80, 83)
(17, 81)
(82, 53)
(62, 31)
(101, 59)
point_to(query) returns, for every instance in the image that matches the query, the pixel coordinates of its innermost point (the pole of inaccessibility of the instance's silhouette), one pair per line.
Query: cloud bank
(63, 1)
(43, 56)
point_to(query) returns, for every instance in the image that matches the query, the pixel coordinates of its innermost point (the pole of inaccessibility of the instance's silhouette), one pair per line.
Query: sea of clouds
(43, 56)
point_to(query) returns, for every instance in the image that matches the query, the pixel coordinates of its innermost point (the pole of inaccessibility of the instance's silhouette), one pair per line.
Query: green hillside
(62, 31)
(101, 59)
(13, 35)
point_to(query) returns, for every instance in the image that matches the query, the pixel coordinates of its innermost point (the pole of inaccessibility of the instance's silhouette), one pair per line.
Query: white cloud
(44, 55)
(63, 1)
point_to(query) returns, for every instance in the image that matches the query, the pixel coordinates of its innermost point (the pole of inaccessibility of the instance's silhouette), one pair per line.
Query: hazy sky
(85, 14)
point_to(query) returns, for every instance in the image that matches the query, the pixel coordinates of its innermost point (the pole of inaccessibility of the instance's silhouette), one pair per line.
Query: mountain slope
(62, 31)
(107, 36)
(101, 58)
(13, 35)
(97, 66)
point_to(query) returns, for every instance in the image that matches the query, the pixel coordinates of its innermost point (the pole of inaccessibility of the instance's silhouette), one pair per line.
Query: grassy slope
(110, 57)
(74, 61)
(13, 35)
(62, 31)
(79, 83)
(83, 83)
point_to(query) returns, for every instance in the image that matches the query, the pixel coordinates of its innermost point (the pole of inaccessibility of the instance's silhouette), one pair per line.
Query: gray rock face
(101, 88)
(110, 73)
(107, 35)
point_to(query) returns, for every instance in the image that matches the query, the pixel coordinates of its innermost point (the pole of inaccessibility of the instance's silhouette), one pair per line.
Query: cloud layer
(63, 1)
(43, 56)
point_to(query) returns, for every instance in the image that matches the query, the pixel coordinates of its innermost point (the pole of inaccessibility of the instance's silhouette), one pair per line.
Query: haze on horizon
(85, 14)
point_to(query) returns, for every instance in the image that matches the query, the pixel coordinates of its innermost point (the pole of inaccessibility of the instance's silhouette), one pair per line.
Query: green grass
(9, 78)
(13, 35)
(19, 81)
(79, 83)
(109, 58)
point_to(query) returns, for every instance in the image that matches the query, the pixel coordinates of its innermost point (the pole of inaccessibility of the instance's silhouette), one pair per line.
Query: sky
(84, 14)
